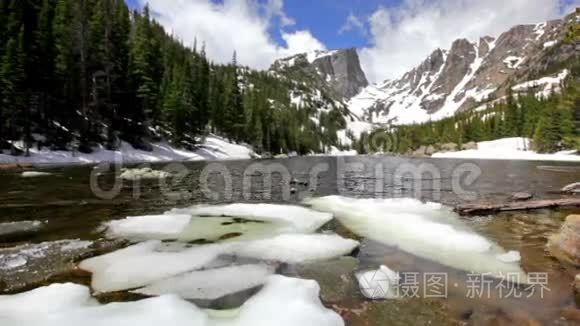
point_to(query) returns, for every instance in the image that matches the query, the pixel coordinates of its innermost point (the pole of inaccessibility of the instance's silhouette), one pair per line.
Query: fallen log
(484, 209)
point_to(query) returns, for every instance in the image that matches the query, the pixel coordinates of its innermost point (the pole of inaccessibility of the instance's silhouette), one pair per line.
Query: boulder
(521, 196)
(430, 150)
(419, 152)
(565, 245)
(449, 147)
(469, 146)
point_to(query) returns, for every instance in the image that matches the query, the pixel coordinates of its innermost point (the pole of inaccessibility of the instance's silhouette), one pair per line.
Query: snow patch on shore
(516, 148)
(213, 148)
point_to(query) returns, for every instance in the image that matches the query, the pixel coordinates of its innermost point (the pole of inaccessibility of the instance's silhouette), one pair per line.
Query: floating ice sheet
(426, 230)
(283, 302)
(239, 221)
(211, 284)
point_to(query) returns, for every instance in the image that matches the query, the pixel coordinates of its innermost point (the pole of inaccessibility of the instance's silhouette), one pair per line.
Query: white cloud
(300, 41)
(404, 36)
(241, 25)
(352, 23)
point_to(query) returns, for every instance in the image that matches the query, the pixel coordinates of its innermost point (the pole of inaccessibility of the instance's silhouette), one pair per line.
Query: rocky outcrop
(565, 245)
(339, 69)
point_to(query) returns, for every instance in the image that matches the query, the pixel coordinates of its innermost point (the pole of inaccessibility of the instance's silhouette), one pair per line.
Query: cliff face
(467, 74)
(340, 70)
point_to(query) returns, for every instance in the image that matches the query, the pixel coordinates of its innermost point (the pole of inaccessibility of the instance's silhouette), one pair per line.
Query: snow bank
(283, 301)
(213, 148)
(426, 230)
(508, 149)
(213, 283)
(379, 284)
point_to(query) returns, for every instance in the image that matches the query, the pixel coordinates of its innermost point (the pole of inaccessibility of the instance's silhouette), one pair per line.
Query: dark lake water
(68, 201)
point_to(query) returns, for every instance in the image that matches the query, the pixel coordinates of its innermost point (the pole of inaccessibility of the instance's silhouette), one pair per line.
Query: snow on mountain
(466, 75)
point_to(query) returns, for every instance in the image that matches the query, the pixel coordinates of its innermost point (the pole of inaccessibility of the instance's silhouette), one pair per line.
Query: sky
(392, 36)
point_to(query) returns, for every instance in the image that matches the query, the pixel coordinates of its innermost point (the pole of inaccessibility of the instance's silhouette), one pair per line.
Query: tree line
(79, 73)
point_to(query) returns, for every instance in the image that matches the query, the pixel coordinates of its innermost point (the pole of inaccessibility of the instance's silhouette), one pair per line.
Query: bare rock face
(343, 72)
(339, 69)
(565, 245)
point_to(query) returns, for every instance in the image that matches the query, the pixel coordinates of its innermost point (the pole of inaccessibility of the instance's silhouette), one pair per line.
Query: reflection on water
(65, 200)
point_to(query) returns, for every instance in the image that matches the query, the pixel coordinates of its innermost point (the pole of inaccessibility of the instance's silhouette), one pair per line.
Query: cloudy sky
(392, 35)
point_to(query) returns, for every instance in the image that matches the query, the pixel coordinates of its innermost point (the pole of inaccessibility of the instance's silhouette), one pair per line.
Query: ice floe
(149, 262)
(427, 230)
(50, 299)
(249, 221)
(35, 174)
(145, 263)
(283, 302)
(379, 284)
(510, 257)
(297, 248)
(212, 283)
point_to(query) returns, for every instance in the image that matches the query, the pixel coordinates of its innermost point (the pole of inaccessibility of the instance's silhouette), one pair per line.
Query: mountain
(469, 74)
(339, 69)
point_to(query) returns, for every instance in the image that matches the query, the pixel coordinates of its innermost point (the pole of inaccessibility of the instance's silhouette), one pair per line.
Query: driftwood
(483, 209)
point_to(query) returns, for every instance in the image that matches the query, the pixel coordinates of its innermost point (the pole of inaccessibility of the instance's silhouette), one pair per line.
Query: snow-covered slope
(213, 148)
(469, 73)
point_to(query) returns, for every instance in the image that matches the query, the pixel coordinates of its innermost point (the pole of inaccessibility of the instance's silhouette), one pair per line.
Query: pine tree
(12, 100)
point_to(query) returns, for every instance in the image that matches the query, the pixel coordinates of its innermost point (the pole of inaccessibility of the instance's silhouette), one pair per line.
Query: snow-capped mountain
(467, 74)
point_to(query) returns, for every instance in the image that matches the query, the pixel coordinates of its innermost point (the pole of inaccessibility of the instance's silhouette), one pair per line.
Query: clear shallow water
(66, 201)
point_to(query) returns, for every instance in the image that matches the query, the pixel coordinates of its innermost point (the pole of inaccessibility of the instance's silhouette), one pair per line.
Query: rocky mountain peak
(339, 69)
(464, 76)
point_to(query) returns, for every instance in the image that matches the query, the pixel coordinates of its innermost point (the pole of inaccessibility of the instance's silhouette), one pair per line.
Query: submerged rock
(30, 265)
(565, 245)
(397, 313)
(335, 277)
(521, 196)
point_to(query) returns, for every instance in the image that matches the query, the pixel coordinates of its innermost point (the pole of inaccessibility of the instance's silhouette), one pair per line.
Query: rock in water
(565, 245)
(521, 196)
